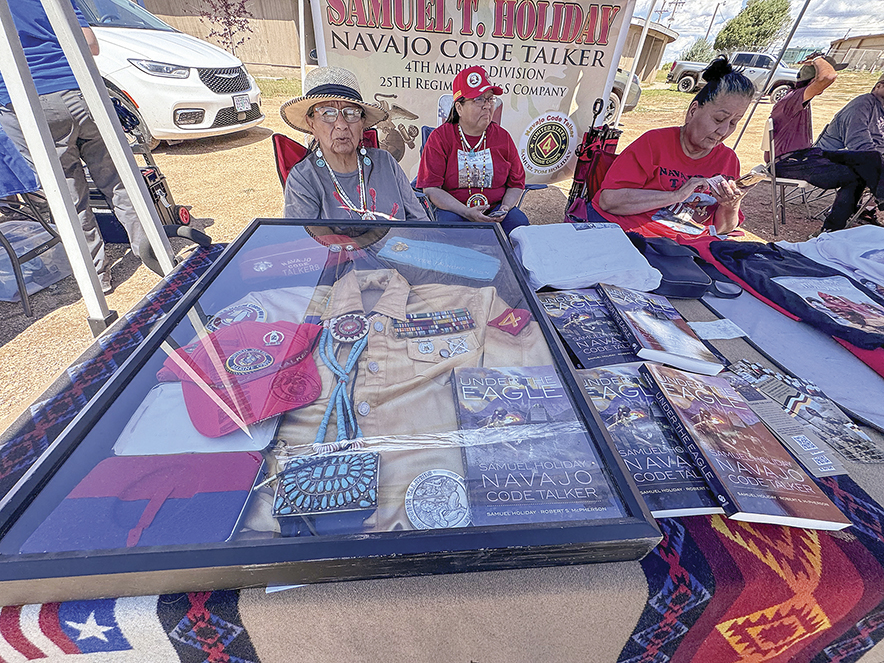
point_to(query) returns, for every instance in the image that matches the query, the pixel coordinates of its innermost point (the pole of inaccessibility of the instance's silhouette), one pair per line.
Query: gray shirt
(310, 192)
(857, 126)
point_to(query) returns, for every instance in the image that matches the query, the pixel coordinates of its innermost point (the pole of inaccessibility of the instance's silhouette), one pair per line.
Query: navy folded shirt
(129, 501)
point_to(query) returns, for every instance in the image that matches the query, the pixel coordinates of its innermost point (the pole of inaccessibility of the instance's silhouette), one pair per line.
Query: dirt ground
(229, 181)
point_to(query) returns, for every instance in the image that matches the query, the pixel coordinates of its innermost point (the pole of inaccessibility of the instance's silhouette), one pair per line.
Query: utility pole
(675, 5)
(661, 11)
(714, 12)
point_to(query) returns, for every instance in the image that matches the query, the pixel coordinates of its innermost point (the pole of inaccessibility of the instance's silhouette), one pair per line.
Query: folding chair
(287, 152)
(595, 154)
(18, 185)
(529, 187)
(593, 174)
(596, 140)
(866, 200)
(778, 185)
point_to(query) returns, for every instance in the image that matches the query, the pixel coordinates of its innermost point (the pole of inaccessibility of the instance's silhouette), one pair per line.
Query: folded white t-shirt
(579, 255)
(857, 252)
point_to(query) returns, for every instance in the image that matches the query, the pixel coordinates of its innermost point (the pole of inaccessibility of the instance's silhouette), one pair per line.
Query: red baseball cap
(258, 369)
(472, 82)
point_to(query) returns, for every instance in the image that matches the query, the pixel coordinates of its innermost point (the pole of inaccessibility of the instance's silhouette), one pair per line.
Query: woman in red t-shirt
(470, 167)
(664, 184)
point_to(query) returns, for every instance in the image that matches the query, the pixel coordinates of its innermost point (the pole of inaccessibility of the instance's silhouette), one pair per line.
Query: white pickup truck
(756, 66)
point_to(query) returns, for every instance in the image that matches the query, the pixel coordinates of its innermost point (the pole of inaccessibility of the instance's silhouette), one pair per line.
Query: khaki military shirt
(402, 392)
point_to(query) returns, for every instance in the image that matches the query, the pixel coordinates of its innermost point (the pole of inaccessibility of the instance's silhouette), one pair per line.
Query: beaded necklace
(345, 199)
(475, 199)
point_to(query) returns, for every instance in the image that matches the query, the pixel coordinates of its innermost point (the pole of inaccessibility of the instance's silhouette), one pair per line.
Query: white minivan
(180, 87)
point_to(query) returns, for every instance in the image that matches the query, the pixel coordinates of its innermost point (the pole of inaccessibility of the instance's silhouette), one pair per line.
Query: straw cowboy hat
(328, 84)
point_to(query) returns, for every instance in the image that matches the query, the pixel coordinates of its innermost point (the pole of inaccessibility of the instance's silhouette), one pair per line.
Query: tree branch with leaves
(758, 25)
(700, 51)
(229, 21)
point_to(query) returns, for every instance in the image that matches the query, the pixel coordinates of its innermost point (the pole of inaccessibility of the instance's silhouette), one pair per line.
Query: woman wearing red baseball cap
(470, 168)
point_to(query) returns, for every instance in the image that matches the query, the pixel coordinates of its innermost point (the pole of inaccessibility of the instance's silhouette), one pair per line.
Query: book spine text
(697, 456)
(618, 319)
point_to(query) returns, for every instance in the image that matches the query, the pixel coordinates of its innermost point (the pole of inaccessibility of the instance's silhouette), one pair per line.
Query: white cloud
(824, 20)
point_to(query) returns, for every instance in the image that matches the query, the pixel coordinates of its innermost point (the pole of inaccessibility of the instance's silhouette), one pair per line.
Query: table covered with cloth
(714, 590)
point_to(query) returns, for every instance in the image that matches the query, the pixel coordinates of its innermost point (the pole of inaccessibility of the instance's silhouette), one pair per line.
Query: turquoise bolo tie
(348, 328)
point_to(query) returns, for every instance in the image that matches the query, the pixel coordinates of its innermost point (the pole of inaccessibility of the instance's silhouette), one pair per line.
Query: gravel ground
(228, 181)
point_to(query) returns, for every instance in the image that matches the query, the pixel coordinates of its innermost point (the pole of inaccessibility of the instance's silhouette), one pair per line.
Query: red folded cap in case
(471, 83)
(258, 369)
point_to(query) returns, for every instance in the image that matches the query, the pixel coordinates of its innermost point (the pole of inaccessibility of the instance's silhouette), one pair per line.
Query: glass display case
(328, 403)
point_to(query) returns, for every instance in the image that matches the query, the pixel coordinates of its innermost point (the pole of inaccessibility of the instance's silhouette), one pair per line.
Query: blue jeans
(513, 219)
(848, 171)
(589, 212)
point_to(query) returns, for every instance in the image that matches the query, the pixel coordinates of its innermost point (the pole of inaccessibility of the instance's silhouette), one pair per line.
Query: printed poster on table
(839, 299)
(552, 59)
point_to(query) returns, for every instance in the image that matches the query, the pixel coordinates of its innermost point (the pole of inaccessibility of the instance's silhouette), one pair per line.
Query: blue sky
(823, 21)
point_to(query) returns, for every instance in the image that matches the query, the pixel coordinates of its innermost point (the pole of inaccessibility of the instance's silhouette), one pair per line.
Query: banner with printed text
(552, 59)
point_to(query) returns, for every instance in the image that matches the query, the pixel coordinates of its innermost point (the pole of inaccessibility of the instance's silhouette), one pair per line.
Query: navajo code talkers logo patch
(246, 312)
(547, 144)
(248, 360)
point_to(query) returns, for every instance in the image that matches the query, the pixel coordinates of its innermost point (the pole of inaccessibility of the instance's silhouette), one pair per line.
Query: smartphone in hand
(496, 214)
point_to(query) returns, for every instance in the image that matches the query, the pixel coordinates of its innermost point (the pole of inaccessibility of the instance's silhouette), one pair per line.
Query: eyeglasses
(482, 101)
(329, 114)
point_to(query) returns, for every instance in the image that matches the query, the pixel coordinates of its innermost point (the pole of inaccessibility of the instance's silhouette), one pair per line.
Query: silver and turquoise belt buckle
(335, 483)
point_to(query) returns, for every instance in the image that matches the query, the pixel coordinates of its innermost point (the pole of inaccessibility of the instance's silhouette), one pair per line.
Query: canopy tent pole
(714, 12)
(303, 7)
(316, 9)
(26, 101)
(64, 23)
(638, 51)
(772, 72)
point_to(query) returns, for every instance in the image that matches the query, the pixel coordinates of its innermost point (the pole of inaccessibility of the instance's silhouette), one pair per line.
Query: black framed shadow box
(328, 403)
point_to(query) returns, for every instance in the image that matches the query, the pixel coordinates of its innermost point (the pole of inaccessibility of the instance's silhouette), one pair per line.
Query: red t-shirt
(440, 168)
(656, 160)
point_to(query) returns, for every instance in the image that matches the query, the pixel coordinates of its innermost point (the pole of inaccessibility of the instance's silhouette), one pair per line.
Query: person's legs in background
(106, 178)
(846, 201)
(826, 174)
(63, 128)
(513, 219)
(868, 165)
(444, 216)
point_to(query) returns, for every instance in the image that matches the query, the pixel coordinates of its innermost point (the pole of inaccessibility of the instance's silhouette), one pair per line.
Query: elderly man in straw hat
(340, 178)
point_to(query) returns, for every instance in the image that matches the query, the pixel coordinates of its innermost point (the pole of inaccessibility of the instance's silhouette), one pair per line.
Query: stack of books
(751, 474)
(528, 457)
(655, 458)
(610, 325)
(694, 442)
